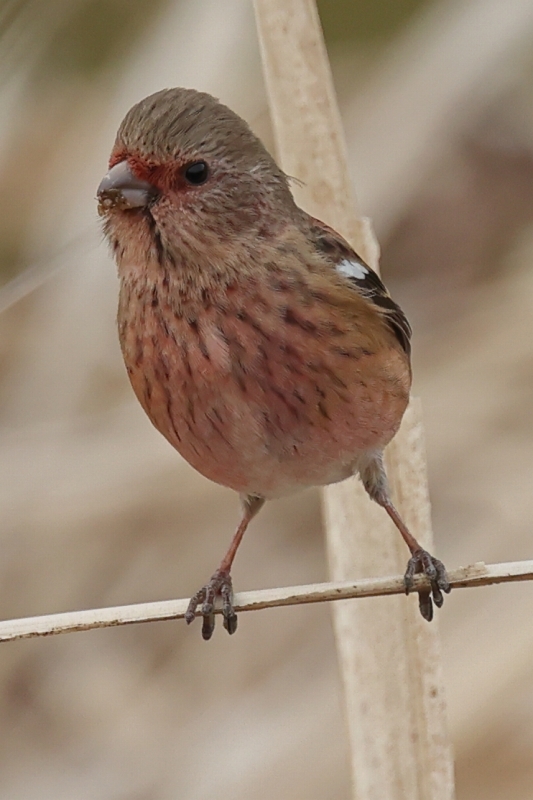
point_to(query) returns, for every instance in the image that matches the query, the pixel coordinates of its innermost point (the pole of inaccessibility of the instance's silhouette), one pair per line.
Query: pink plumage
(257, 341)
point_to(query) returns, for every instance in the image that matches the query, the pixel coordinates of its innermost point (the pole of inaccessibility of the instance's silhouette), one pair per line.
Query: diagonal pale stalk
(389, 656)
(479, 574)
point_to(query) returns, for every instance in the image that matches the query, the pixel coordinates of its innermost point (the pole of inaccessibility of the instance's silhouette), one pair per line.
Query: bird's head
(187, 175)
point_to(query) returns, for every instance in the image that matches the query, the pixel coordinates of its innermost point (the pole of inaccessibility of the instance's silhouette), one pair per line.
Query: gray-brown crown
(185, 122)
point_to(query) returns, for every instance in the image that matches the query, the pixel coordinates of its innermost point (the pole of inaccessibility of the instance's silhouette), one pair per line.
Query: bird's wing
(363, 279)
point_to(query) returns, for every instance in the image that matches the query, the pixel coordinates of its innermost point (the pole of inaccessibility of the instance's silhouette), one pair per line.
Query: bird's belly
(266, 419)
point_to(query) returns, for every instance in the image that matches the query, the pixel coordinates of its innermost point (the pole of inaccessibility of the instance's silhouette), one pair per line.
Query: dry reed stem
(389, 660)
(479, 574)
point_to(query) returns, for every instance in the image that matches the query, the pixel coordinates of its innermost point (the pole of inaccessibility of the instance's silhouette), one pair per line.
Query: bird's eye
(196, 173)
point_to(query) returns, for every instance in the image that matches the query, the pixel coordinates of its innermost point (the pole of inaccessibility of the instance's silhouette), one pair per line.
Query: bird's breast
(256, 391)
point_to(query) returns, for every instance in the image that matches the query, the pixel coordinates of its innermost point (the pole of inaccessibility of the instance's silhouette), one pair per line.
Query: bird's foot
(221, 586)
(423, 562)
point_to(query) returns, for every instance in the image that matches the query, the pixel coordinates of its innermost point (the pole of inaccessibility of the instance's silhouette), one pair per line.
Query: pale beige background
(98, 510)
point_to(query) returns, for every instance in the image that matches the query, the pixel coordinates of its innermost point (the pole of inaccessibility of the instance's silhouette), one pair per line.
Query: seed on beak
(121, 189)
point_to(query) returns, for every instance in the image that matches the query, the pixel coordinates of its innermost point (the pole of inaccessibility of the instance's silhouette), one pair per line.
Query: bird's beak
(120, 188)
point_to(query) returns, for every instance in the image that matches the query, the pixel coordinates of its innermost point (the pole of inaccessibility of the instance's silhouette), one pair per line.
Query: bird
(258, 342)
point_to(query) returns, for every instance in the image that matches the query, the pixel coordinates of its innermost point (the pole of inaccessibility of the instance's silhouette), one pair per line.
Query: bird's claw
(221, 586)
(423, 562)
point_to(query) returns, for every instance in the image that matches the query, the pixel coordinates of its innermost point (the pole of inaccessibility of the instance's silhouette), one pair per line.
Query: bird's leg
(421, 561)
(375, 482)
(220, 584)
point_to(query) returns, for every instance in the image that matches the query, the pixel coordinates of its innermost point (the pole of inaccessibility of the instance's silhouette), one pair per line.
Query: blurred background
(97, 509)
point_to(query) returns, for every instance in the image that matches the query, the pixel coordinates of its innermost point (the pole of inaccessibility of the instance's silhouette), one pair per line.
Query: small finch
(257, 341)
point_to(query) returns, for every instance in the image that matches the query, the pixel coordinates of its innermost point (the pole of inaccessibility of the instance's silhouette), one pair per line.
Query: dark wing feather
(337, 250)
